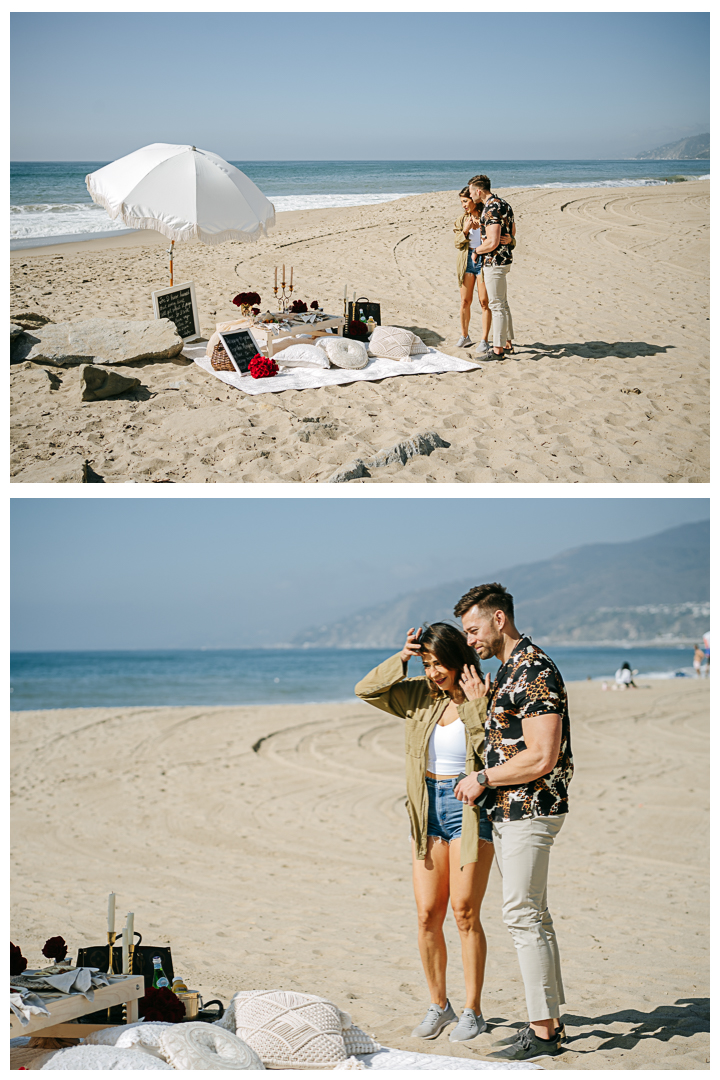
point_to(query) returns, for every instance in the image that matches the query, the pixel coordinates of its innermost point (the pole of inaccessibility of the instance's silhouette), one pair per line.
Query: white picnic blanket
(387, 1058)
(429, 363)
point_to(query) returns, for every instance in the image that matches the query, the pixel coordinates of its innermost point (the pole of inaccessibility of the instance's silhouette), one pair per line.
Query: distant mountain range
(653, 591)
(695, 148)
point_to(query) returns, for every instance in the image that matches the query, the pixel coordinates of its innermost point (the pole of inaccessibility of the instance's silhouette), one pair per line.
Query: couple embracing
(487, 770)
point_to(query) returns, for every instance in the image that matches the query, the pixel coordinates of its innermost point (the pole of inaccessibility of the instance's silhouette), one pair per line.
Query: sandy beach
(268, 845)
(609, 294)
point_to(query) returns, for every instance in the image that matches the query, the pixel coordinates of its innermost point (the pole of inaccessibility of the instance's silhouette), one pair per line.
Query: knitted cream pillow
(394, 343)
(344, 352)
(145, 1032)
(296, 1031)
(197, 1047)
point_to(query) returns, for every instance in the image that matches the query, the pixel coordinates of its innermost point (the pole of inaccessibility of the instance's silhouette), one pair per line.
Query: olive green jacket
(462, 243)
(387, 688)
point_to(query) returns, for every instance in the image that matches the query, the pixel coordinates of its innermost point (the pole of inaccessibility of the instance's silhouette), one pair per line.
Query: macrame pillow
(394, 343)
(200, 1046)
(100, 1058)
(344, 352)
(296, 1031)
(300, 356)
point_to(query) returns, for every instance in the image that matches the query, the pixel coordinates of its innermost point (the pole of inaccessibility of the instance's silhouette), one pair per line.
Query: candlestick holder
(111, 942)
(283, 300)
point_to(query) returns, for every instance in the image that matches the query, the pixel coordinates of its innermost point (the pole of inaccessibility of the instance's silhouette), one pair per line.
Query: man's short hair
(488, 598)
(482, 182)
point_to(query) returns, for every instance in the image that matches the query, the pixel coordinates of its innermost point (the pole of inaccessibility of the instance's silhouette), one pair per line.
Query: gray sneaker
(435, 1020)
(528, 1046)
(463, 343)
(510, 1039)
(484, 352)
(471, 1025)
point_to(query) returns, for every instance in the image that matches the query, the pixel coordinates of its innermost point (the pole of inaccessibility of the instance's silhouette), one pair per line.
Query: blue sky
(183, 573)
(257, 86)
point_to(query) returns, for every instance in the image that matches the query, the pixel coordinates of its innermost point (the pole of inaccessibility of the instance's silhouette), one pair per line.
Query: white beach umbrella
(183, 193)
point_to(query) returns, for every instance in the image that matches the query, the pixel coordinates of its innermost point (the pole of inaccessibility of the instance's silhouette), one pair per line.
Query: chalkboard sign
(241, 346)
(179, 305)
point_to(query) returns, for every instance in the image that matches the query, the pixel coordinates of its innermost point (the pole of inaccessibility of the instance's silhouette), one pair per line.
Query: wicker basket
(220, 359)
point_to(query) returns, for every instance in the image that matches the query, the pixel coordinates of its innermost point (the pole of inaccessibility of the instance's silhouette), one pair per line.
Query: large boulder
(100, 341)
(98, 383)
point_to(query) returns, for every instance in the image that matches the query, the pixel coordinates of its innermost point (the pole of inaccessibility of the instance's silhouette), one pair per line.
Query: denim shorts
(475, 268)
(445, 812)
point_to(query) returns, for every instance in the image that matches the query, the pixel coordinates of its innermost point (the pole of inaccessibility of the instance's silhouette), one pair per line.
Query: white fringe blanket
(430, 363)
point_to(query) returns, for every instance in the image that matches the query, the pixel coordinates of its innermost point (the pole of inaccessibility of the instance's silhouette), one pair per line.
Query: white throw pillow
(201, 1046)
(391, 342)
(143, 1032)
(418, 346)
(344, 352)
(357, 1041)
(300, 356)
(100, 1058)
(290, 1030)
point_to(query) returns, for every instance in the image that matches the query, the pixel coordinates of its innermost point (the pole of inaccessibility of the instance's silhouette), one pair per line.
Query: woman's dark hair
(465, 193)
(448, 644)
(626, 667)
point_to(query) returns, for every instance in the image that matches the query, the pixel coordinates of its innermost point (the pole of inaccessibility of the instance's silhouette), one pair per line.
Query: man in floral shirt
(524, 787)
(496, 218)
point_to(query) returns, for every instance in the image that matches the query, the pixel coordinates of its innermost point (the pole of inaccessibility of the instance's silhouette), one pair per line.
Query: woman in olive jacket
(452, 842)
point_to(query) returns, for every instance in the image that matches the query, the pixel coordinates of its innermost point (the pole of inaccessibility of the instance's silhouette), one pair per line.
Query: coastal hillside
(695, 148)
(653, 590)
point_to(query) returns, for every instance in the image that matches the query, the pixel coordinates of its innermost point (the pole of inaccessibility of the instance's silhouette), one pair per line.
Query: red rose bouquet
(315, 306)
(357, 330)
(262, 368)
(246, 300)
(18, 963)
(298, 307)
(55, 949)
(161, 1004)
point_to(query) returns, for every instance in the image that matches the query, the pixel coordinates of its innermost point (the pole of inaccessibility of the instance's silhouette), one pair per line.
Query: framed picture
(178, 304)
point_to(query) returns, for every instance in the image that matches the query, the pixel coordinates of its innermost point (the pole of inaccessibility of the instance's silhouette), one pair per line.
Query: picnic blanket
(430, 363)
(387, 1058)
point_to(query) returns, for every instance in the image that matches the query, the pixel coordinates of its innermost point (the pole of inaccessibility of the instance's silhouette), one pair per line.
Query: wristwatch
(482, 778)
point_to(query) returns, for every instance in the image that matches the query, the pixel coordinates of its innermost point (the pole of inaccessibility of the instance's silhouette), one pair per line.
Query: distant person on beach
(467, 237)
(444, 714)
(528, 767)
(698, 657)
(496, 218)
(706, 654)
(624, 677)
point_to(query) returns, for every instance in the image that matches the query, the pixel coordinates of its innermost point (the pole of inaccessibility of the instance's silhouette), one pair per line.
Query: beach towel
(430, 363)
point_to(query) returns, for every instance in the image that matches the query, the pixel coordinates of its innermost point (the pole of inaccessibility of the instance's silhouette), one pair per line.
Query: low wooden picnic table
(125, 989)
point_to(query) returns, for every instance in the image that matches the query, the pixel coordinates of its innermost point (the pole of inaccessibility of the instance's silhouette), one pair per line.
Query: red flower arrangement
(18, 963)
(262, 368)
(357, 330)
(246, 299)
(298, 307)
(315, 306)
(161, 1004)
(55, 949)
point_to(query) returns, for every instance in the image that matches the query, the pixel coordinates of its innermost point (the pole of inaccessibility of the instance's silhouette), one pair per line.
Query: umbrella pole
(171, 254)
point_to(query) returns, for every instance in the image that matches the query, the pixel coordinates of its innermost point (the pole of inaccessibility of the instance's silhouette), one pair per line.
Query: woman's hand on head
(472, 685)
(412, 645)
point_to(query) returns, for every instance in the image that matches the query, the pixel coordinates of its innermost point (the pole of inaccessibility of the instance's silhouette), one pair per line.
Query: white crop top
(447, 750)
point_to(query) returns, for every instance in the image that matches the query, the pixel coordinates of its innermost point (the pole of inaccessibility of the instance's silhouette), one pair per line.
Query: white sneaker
(471, 1025)
(435, 1020)
(463, 343)
(484, 352)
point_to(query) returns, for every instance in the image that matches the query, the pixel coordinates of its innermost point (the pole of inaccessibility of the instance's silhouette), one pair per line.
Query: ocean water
(62, 680)
(49, 198)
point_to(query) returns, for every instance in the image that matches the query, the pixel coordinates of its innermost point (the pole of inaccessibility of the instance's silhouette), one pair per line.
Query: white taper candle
(125, 952)
(111, 913)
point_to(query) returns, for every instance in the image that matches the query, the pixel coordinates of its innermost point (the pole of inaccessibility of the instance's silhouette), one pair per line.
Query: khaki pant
(522, 849)
(495, 278)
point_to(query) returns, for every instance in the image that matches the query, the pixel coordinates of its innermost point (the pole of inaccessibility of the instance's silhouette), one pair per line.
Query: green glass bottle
(159, 976)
